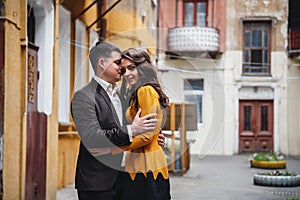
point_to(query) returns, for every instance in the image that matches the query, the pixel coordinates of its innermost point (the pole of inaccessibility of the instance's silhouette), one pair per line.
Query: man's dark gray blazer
(98, 126)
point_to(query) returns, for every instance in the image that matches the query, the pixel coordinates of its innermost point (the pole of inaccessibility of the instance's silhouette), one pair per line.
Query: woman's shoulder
(147, 91)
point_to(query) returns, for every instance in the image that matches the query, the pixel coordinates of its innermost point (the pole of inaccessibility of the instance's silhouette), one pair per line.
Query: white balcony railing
(183, 39)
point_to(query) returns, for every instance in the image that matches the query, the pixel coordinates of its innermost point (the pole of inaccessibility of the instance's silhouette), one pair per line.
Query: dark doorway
(255, 126)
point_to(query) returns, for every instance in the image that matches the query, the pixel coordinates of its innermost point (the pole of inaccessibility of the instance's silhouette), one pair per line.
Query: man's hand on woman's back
(143, 124)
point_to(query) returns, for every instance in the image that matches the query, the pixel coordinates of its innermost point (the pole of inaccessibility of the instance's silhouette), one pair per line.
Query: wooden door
(255, 126)
(36, 140)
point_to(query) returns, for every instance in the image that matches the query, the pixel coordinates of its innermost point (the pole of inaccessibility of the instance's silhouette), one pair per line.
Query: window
(256, 48)
(93, 40)
(80, 56)
(30, 24)
(247, 118)
(193, 92)
(64, 66)
(264, 118)
(195, 13)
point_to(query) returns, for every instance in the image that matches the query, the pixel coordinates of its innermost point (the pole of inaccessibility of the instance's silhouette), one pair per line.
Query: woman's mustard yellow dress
(146, 176)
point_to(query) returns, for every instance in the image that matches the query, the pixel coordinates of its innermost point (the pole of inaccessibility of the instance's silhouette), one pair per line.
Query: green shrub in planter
(270, 156)
(268, 160)
(277, 179)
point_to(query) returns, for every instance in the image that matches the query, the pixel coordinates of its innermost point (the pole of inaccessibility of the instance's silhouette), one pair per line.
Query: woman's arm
(149, 103)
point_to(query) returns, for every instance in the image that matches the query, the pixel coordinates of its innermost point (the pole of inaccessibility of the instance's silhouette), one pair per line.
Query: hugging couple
(121, 155)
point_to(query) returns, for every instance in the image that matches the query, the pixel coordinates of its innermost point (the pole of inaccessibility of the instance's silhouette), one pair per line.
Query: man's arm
(84, 114)
(140, 125)
(93, 135)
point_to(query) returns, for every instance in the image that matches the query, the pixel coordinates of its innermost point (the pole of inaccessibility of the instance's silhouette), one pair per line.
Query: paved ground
(219, 177)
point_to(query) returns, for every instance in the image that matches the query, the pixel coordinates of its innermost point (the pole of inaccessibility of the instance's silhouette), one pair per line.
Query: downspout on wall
(2, 49)
(52, 126)
(157, 32)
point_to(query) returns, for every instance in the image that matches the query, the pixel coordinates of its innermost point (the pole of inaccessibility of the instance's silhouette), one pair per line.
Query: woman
(146, 169)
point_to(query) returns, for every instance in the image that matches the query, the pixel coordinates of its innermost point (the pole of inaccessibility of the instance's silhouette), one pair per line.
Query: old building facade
(238, 61)
(233, 59)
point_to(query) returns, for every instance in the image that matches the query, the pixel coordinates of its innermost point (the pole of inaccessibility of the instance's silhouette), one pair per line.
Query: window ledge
(67, 133)
(259, 18)
(257, 79)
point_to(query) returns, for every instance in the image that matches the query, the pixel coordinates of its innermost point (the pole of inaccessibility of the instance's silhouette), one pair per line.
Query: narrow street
(219, 177)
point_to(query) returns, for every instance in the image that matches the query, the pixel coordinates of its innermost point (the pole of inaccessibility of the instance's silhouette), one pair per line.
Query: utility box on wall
(174, 122)
(180, 117)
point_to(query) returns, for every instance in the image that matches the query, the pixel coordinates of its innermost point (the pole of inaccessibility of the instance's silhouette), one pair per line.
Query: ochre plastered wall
(137, 27)
(14, 100)
(68, 147)
(76, 8)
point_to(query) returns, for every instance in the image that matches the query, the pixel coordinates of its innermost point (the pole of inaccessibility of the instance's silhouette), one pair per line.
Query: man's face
(112, 71)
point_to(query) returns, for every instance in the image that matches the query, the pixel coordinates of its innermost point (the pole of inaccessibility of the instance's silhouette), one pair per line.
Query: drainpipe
(157, 32)
(53, 118)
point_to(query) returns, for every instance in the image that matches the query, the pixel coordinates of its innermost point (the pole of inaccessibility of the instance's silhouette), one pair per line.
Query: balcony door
(195, 13)
(255, 126)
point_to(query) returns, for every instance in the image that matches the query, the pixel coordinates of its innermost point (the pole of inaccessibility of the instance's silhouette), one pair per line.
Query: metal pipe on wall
(157, 32)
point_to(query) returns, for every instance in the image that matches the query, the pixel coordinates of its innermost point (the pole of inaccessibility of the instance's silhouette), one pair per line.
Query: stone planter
(280, 164)
(276, 181)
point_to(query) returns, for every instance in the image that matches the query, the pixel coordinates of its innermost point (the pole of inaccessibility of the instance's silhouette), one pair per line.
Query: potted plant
(269, 160)
(277, 178)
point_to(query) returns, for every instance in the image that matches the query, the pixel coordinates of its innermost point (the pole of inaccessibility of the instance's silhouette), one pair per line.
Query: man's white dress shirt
(112, 91)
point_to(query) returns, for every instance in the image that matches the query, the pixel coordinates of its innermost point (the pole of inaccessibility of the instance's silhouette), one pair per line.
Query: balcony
(193, 39)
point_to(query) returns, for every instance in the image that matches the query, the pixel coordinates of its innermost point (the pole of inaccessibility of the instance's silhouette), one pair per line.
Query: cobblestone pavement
(219, 177)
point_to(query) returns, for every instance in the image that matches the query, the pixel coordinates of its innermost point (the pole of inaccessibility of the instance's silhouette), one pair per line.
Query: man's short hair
(102, 49)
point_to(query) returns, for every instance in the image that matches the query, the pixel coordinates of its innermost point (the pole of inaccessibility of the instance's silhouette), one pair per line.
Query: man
(97, 112)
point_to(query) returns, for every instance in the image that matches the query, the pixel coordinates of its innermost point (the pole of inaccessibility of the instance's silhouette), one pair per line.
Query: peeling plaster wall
(259, 9)
(286, 97)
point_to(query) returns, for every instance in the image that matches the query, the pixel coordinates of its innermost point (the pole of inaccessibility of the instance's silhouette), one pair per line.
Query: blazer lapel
(100, 90)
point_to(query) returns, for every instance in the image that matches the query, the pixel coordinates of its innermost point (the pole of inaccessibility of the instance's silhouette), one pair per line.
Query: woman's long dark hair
(147, 76)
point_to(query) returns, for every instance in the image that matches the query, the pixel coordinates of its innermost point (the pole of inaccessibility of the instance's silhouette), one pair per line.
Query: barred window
(256, 48)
